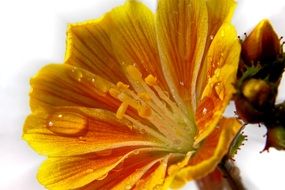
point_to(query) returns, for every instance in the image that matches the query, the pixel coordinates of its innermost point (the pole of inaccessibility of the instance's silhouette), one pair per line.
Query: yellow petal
(75, 172)
(89, 47)
(219, 11)
(82, 131)
(222, 62)
(210, 153)
(65, 85)
(133, 36)
(182, 27)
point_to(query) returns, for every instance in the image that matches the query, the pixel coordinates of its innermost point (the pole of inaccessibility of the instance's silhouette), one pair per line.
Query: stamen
(122, 86)
(155, 105)
(121, 110)
(151, 80)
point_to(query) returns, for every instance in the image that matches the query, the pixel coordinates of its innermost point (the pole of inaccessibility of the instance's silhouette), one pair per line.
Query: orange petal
(79, 171)
(65, 85)
(222, 62)
(89, 47)
(182, 27)
(155, 178)
(210, 153)
(67, 131)
(129, 173)
(133, 36)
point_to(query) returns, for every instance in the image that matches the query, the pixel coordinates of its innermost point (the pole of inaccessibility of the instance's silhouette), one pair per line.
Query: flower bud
(254, 99)
(275, 138)
(262, 44)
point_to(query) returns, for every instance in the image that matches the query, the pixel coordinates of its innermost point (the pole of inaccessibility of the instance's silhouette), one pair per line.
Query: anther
(151, 80)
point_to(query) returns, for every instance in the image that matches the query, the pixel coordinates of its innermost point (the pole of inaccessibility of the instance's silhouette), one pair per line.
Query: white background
(32, 34)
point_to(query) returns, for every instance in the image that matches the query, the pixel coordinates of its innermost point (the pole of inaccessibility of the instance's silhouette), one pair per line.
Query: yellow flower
(138, 102)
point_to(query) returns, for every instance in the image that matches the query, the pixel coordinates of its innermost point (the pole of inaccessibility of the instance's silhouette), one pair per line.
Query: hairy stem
(231, 174)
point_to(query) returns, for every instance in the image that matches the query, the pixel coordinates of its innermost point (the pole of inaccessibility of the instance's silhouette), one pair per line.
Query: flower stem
(231, 174)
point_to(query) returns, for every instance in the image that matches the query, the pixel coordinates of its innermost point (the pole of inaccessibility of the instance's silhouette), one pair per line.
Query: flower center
(166, 121)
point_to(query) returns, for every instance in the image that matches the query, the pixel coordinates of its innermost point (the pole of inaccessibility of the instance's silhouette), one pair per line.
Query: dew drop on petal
(211, 37)
(204, 111)
(181, 83)
(76, 74)
(219, 90)
(205, 108)
(50, 123)
(67, 123)
(81, 139)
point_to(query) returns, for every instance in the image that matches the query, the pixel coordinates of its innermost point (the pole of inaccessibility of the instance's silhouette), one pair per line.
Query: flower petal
(67, 131)
(89, 47)
(222, 62)
(130, 172)
(76, 172)
(219, 11)
(210, 153)
(134, 39)
(65, 85)
(182, 27)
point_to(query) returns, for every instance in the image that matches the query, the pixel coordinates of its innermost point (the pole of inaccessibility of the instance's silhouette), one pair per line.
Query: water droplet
(106, 152)
(81, 139)
(220, 90)
(205, 108)
(211, 37)
(76, 74)
(181, 83)
(50, 123)
(128, 187)
(204, 111)
(67, 123)
(93, 80)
